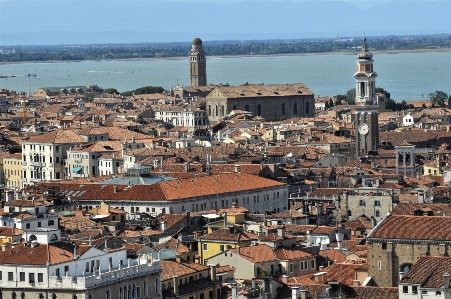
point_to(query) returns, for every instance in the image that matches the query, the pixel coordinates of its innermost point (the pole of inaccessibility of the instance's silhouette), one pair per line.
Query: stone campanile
(366, 113)
(198, 64)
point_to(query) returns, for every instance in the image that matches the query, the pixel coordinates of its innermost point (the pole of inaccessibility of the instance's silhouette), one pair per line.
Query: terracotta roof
(376, 292)
(361, 222)
(333, 255)
(428, 271)
(271, 90)
(413, 228)
(257, 253)
(436, 209)
(289, 253)
(173, 268)
(26, 255)
(173, 244)
(233, 234)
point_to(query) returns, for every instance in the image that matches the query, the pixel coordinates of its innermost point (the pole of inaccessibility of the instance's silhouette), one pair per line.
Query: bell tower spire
(365, 78)
(366, 112)
(198, 64)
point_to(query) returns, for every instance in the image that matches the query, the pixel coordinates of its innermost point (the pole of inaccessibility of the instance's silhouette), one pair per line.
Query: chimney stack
(446, 280)
(213, 272)
(225, 219)
(115, 189)
(281, 231)
(339, 237)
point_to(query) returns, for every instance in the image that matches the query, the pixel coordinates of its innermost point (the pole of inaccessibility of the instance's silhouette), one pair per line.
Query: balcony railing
(40, 164)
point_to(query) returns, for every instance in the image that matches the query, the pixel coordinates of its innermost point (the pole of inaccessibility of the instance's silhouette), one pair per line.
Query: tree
(111, 91)
(381, 90)
(350, 96)
(144, 90)
(438, 98)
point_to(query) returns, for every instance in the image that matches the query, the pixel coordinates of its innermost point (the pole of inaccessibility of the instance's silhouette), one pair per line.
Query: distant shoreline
(241, 56)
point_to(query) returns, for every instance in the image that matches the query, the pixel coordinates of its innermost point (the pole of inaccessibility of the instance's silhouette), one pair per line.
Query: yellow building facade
(12, 170)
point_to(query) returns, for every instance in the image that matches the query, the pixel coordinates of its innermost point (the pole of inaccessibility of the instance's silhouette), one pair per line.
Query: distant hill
(100, 21)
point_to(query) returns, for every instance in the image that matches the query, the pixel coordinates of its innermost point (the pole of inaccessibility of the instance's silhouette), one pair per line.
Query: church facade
(272, 102)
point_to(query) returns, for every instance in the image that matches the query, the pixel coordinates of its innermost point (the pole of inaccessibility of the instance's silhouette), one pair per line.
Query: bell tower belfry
(366, 112)
(198, 64)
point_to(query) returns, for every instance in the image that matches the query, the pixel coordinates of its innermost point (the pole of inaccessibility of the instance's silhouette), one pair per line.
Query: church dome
(197, 41)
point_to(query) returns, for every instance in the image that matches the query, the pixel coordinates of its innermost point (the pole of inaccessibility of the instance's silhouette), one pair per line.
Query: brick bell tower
(365, 114)
(198, 64)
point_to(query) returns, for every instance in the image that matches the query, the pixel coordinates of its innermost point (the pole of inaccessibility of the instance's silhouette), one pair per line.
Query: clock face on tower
(363, 129)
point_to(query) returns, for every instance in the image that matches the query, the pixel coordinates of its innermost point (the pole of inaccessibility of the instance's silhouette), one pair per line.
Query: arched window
(259, 110)
(295, 108)
(234, 107)
(307, 108)
(74, 296)
(283, 108)
(246, 108)
(108, 296)
(13, 295)
(41, 296)
(32, 238)
(22, 295)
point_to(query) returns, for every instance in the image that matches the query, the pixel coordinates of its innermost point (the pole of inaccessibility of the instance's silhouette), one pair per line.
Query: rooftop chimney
(213, 272)
(238, 168)
(163, 226)
(225, 219)
(339, 237)
(446, 280)
(281, 231)
(115, 189)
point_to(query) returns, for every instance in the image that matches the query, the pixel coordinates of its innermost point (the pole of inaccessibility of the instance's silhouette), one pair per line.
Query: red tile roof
(428, 271)
(257, 253)
(413, 228)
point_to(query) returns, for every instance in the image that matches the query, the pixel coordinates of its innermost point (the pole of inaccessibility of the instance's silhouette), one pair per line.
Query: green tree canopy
(438, 98)
(349, 97)
(144, 90)
(111, 91)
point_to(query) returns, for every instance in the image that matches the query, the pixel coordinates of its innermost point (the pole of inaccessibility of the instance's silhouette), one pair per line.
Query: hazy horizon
(54, 22)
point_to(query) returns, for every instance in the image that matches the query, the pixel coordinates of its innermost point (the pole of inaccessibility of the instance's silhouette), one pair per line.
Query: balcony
(39, 164)
(78, 175)
(78, 160)
(112, 275)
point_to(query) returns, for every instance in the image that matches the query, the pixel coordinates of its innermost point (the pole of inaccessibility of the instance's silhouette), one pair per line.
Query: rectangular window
(51, 222)
(291, 267)
(405, 289)
(221, 248)
(10, 276)
(205, 247)
(414, 290)
(40, 277)
(66, 269)
(30, 277)
(22, 276)
(57, 272)
(377, 203)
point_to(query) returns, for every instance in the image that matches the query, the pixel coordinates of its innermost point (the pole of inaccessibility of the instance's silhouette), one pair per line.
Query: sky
(29, 22)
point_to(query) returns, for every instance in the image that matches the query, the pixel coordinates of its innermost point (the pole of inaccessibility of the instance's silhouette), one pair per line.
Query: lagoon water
(407, 76)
